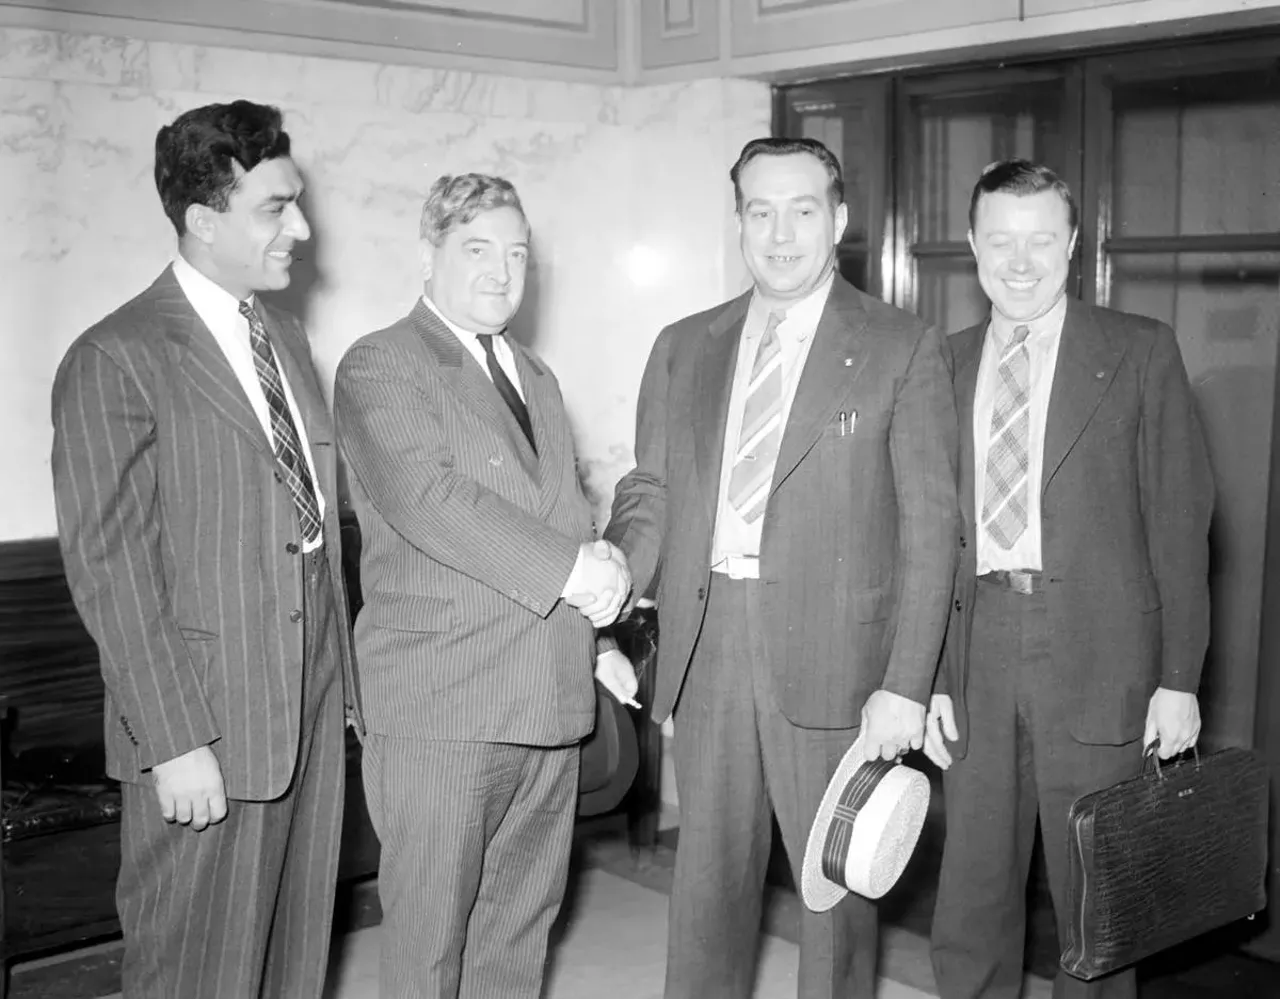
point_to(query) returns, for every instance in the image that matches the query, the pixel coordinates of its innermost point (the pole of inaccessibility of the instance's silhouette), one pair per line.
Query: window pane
(1197, 156)
(1225, 309)
(956, 137)
(948, 293)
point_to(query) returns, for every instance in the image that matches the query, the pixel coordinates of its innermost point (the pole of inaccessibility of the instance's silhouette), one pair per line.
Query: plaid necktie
(1004, 502)
(505, 389)
(284, 435)
(757, 451)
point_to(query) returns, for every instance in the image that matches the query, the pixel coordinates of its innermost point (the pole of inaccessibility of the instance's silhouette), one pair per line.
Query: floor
(610, 941)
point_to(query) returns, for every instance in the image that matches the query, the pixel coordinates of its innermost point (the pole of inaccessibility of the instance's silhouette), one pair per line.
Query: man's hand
(939, 728)
(190, 789)
(599, 583)
(618, 676)
(1174, 717)
(891, 724)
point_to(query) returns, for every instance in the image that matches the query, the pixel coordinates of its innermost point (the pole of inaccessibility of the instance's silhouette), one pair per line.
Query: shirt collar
(801, 317)
(207, 297)
(1046, 327)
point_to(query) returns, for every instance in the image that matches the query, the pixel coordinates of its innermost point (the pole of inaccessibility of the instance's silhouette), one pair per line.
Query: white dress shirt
(220, 311)
(501, 349)
(734, 537)
(1043, 341)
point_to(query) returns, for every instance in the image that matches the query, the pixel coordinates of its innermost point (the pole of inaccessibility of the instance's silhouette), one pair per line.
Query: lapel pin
(848, 362)
(1102, 374)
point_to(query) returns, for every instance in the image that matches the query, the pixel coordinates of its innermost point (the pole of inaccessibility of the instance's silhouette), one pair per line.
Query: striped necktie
(761, 436)
(1004, 498)
(284, 435)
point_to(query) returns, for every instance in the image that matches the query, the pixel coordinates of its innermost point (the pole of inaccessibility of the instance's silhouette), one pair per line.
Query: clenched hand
(190, 789)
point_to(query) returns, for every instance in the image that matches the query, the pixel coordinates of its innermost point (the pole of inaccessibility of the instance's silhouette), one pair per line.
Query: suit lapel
(967, 352)
(836, 358)
(1087, 365)
(713, 379)
(471, 384)
(203, 362)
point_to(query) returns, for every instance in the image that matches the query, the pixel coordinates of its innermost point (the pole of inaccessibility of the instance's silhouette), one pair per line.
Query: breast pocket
(414, 612)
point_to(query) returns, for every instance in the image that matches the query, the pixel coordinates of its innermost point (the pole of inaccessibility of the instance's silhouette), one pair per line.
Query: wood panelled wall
(645, 41)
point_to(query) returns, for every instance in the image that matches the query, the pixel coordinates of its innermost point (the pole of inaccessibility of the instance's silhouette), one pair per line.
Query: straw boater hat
(866, 828)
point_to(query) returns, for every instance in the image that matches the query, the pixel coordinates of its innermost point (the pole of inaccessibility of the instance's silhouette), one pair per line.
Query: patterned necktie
(757, 451)
(284, 435)
(505, 389)
(1004, 502)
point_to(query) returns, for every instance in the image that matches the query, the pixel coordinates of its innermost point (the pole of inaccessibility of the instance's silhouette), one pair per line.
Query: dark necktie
(284, 435)
(505, 389)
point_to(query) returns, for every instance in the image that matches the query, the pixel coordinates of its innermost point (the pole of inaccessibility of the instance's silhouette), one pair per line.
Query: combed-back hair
(788, 147)
(455, 200)
(197, 154)
(1021, 177)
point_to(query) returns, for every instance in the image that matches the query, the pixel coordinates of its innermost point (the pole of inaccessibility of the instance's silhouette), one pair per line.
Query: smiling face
(249, 247)
(787, 224)
(1023, 245)
(475, 276)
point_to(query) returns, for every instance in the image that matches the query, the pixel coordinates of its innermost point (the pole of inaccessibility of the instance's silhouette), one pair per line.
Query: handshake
(599, 583)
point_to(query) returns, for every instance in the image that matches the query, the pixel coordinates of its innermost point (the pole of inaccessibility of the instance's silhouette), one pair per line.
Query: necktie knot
(486, 342)
(1020, 334)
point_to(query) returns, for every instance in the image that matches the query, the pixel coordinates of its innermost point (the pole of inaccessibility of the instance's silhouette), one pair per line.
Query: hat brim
(884, 836)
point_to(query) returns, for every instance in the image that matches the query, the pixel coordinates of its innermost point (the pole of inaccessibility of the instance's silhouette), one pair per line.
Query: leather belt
(1023, 581)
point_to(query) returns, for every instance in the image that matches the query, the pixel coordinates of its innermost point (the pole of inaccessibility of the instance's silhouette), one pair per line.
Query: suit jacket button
(957, 605)
(702, 593)
(279, 477)
(963, 542)
(295, 616)
(291, 548)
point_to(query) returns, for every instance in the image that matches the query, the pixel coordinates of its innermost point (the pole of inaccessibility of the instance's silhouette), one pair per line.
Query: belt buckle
(1021, 582)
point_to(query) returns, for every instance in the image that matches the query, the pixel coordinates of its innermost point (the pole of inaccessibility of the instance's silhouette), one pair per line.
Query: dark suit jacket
(181, 542)
(468, 540)
(1125, 506)
(859, 539)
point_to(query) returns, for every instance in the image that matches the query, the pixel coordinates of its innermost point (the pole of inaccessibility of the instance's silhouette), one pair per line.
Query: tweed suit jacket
(469, 537)
(859, 538)
(1126, 499)
(181, 542)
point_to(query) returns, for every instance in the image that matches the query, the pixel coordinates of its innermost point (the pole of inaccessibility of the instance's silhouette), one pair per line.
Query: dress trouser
(737, 758)
(244, 908)
(475, 855)
(1022, 764)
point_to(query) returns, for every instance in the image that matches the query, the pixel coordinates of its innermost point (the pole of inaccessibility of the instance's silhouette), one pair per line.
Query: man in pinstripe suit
(194, 475)
(481, 586)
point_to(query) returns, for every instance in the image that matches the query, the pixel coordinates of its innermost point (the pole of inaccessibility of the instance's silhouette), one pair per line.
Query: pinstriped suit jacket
(860, 534)
(181, 542)
(468, 538)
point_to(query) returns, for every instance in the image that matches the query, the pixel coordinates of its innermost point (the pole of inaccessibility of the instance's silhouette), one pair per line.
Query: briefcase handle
(1150, 755)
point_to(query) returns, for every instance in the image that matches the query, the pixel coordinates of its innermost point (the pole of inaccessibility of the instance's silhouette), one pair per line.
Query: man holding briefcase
(1081, 611)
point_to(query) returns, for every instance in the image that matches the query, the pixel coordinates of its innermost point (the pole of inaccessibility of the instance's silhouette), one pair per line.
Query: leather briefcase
(1163, 857)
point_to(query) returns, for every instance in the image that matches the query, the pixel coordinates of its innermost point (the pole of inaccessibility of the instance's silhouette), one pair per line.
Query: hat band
(857, 792)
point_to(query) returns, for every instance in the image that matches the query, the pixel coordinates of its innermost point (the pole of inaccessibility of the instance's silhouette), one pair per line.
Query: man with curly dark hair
(194, 475)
